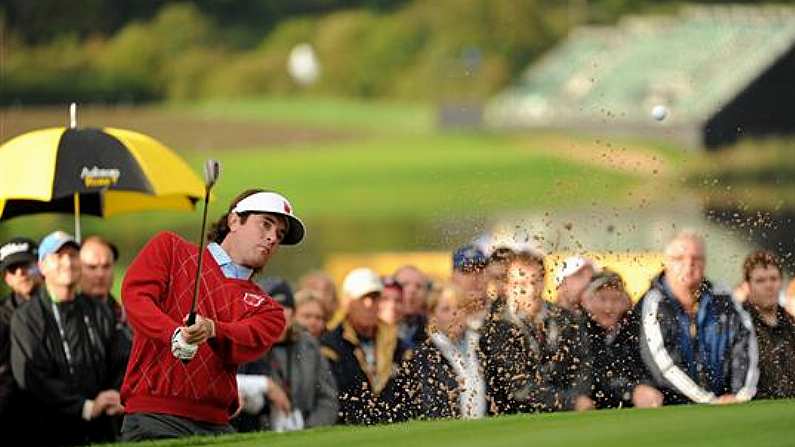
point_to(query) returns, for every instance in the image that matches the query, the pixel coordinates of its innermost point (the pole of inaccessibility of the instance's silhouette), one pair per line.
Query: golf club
(212, 170)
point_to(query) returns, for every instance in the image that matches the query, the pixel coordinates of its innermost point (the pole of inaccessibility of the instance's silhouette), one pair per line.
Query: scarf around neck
(472, 397)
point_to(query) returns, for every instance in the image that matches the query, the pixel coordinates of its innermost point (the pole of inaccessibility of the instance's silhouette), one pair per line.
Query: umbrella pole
(73, 115)
(73, 125)
(77, 217)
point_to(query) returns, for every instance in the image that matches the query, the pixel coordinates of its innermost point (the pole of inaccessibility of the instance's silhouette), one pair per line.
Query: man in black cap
(293, 376)
(18, 263)
(18, 259)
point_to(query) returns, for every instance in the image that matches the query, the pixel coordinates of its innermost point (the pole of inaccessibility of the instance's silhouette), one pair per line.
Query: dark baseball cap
(468, 258)
(279, 290)
(19, 250)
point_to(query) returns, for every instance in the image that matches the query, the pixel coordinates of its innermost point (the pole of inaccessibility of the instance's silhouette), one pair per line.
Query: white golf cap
(570, 266)
(361, 281)
(271, 202)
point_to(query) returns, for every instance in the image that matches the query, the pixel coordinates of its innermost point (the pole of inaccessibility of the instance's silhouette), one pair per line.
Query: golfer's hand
(199, 332)
(278, 398)
(180, 348)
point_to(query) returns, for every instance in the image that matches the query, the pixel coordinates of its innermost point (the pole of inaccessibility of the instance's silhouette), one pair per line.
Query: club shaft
(192, 315)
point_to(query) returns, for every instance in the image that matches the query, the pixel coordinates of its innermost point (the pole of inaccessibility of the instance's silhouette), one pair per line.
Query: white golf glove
(182, 349)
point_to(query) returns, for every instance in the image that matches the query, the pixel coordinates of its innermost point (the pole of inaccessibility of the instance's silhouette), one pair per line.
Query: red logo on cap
(287, 208)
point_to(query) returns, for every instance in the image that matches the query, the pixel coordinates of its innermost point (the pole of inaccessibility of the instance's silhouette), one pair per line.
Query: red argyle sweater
(157, 292)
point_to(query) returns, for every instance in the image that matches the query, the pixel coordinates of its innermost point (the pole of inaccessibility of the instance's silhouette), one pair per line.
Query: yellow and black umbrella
(100, 172)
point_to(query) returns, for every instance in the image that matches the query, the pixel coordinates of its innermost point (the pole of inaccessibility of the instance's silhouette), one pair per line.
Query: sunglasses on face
(29, 268)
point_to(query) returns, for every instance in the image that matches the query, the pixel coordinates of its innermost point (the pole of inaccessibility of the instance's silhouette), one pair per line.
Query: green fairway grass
(430, 176)
(337, 113)
(764, 423)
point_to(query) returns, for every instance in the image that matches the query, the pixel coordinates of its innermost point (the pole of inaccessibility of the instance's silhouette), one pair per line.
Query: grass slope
(337, 113)
(766, 423)
(429, 176)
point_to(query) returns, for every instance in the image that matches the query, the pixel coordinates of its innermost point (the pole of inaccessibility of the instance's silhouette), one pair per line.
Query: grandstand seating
(694, 63)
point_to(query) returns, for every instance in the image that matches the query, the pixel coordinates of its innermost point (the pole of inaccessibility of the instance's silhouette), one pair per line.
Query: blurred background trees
(133, 51)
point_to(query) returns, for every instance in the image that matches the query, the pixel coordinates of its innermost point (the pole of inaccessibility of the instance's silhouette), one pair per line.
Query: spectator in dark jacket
(696, 343)
(614, 353)
(535, 352)
(18, 265)
(444, 377)
(291, 387)
(97, 260)
(775, 328)
(363, 355)
(65, 353)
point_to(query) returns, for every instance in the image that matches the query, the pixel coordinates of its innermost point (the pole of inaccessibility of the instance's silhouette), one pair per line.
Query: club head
(212, 170)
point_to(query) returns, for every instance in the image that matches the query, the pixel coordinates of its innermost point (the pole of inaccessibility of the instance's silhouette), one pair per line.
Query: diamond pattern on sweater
(208, 379)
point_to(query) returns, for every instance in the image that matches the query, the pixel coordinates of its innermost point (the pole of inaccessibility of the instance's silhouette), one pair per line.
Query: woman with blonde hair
(444, 378)
(310, 312)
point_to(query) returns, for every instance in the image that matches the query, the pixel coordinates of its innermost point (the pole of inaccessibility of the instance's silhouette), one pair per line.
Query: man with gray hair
(697, 344)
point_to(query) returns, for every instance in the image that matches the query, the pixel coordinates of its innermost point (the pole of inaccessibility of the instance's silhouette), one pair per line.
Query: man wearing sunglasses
(18, 266)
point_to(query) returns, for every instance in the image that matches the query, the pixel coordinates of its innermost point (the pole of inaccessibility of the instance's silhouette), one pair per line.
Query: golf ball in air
(303, 64)
(659, 112)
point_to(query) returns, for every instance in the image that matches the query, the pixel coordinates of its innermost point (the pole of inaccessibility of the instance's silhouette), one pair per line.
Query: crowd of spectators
(388, 348)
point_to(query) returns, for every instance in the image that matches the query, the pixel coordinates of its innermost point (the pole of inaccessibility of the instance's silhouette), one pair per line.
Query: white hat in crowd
(571, 266)
(361, 281)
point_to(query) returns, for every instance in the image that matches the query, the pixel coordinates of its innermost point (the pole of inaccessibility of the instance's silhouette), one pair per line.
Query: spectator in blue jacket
(697, 344)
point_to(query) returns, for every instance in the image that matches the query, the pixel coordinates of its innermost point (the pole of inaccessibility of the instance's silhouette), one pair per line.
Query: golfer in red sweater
(180, 380)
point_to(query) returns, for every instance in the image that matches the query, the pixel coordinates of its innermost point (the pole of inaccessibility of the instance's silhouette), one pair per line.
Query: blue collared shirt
(230, 269)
